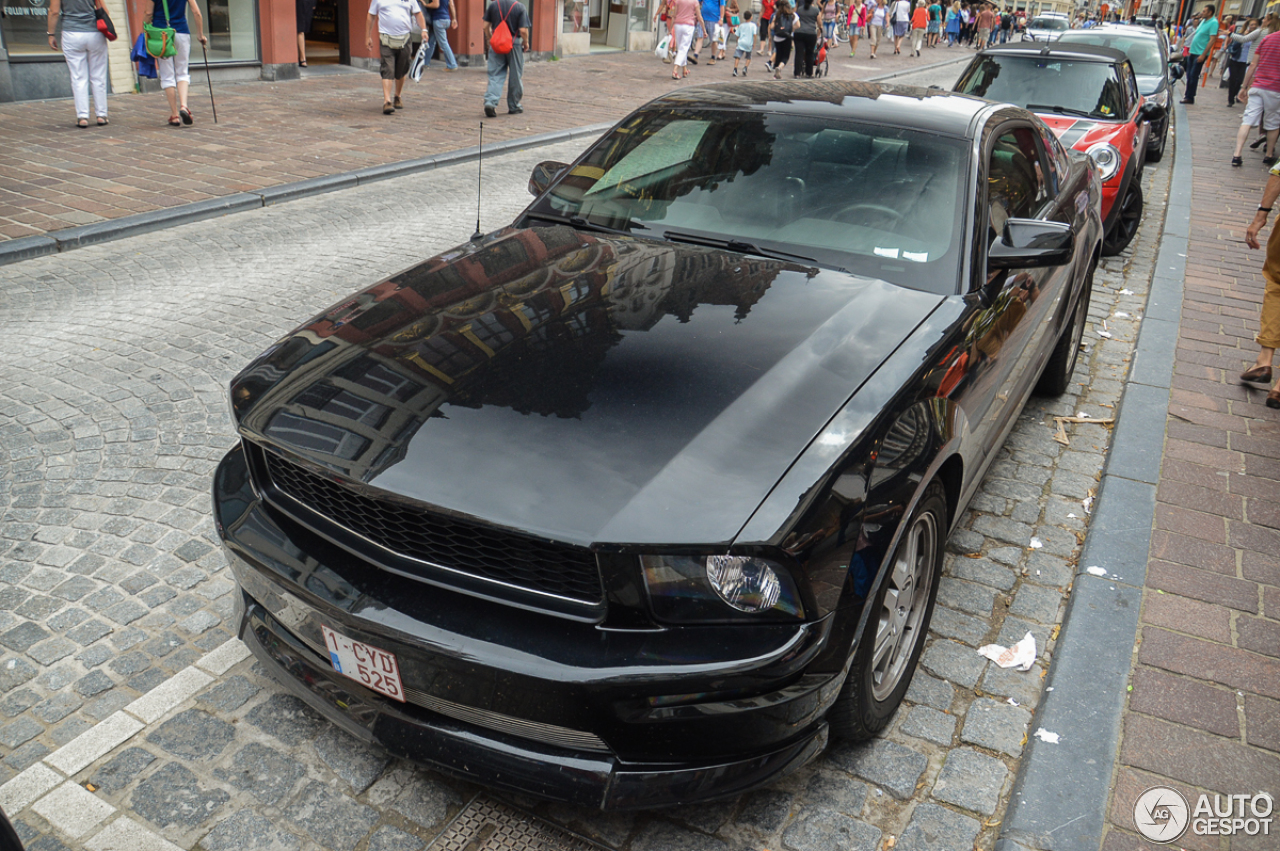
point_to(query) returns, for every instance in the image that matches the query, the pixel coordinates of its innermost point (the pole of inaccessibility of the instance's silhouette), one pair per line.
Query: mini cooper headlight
(718, 588)
(1107, 158)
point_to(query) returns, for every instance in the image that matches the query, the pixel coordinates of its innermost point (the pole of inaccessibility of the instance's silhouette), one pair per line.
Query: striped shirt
(1267, 75)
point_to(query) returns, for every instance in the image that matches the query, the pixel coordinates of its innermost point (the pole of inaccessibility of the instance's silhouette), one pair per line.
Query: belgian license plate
(370, 666)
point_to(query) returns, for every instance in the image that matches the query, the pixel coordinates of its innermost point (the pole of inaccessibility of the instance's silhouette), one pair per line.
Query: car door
(1009, 337)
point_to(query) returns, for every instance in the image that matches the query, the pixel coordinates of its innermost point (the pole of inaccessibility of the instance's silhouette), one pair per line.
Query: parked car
(635, 501)
(1046, 27)
(1148, 52)
(1089, 96)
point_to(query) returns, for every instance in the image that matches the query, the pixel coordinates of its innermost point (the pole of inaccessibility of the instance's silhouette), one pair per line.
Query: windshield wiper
(1063, 110)
(737, 245)
(576, 221)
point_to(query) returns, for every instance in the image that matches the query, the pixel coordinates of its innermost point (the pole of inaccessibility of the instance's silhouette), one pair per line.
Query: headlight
(1107, 158)
(719, 588)
(1160, 98)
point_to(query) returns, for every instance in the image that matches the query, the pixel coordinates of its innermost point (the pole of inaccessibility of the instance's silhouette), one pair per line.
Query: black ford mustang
(634, 501)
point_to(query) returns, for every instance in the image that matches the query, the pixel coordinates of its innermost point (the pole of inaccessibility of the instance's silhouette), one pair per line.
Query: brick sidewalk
(1203, 715)
(54, 176)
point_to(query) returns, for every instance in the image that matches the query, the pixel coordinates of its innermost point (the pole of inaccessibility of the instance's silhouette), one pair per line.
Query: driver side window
(1016, 186)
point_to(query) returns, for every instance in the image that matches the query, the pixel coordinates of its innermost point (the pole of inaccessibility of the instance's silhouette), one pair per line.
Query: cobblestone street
(124, 694)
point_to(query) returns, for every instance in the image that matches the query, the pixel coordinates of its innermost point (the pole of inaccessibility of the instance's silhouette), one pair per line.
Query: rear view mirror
(1176, 72)
(1152, 112)
(544, 174)
(1030, 244)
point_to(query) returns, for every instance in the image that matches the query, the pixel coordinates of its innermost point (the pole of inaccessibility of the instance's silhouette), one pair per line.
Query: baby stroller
(820, 67)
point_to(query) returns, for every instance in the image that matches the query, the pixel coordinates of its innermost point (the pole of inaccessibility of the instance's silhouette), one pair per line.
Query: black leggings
(1236, 71)
(806, 50)
(784, 53)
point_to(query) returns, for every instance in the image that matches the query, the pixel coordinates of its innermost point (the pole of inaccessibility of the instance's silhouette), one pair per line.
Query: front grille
(543, 567)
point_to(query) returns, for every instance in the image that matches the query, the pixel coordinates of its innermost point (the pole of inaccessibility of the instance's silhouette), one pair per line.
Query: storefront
(253, 39)
(588, 26)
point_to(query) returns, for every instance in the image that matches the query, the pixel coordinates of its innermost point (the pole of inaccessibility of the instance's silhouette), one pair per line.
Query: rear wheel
(1056, 377)
(1128, 218)
(890, 647)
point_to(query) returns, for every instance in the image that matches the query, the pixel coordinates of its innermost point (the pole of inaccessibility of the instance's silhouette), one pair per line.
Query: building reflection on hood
(523, 322)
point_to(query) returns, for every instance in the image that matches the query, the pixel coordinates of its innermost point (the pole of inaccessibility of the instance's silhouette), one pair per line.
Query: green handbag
(162, 42)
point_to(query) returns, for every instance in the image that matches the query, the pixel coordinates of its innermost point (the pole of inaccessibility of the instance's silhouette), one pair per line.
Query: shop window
(575, 16)
(25, 25)
(232, 27)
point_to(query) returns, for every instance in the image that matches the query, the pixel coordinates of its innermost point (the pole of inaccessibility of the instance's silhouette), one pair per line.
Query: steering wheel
(847, 212)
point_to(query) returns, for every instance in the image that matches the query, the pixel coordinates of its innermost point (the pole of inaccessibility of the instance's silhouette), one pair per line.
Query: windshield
(1143, 53)
(1047, 24)
(1041, 83)
(877, 201)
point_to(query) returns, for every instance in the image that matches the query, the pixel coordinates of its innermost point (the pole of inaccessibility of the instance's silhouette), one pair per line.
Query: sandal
(102, 121)
(185, 114)
(1236, 162)
(302, 64)
(82, 123)
(1260, 374)
(175, 121)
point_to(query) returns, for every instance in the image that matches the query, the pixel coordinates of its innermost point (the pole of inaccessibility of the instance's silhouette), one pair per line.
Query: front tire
(1158, 154)
(1128, 218)
(890, 646)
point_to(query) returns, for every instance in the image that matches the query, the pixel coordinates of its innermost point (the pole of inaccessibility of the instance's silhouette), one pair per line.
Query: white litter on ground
(1045, 736)
(1021, 655)
(1096, 571)
(1036, 543)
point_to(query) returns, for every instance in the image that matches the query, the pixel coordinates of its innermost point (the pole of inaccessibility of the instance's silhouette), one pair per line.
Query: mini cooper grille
(548, 568)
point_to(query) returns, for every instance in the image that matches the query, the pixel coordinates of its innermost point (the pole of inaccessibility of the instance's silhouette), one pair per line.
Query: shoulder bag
(162, 42)
(103, 22)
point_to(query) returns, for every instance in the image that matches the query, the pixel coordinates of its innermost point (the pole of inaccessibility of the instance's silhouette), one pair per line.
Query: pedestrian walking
(442, 18)
(1198, 50)
(919, 25)
(985, 23)
(857, 23)
(1238, 50)
(746, 35)
(901, 19)
(766, 18)
(304, 11)
(85, 50)
(392, 20)
(175, 75)
(1261, 99)
(875, 27)
(784, 21)
(807, 26)
(712, 14)
(683, 14)
(830, 17)
(935, 24)
(953, 24)
(508, 65)
(1268, 338)
(1006, 26)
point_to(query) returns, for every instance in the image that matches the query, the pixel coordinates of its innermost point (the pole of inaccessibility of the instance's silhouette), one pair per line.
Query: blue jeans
(1194, 66)
(511, 67)
(440, 36)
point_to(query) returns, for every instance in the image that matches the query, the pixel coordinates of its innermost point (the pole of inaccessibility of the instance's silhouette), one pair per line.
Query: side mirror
(1176, 72)
(544, 174)
(1032, 244)
(1152, 112)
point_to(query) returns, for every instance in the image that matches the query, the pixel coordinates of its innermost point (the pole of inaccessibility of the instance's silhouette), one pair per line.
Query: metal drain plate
(490, 826)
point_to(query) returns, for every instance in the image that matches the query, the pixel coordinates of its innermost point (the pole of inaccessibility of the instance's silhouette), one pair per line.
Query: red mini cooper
(1089, 97)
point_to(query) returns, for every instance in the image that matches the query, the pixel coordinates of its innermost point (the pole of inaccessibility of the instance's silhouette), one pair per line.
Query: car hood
(1080, 133)
(582, 387)
(1150, 84)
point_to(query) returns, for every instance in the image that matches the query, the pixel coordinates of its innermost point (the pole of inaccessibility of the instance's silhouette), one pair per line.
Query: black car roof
(933, 110)
(1085, 52)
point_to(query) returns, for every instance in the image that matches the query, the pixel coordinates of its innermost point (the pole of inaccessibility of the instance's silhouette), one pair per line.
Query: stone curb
(1060, 795)
(26, 248)
(930, 67)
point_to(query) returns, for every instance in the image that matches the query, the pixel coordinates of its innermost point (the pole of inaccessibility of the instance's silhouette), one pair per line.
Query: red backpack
(501, 41)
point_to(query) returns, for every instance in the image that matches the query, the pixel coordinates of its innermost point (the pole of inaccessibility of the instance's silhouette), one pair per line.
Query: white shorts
(174, 69)
(1263, 106)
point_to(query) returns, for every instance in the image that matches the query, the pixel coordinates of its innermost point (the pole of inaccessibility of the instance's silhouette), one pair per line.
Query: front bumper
(521, 701)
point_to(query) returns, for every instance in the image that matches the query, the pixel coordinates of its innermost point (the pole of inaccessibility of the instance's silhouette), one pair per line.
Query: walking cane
(212, 105)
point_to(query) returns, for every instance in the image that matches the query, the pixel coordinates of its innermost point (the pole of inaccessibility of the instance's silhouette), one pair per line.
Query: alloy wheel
(906, 601)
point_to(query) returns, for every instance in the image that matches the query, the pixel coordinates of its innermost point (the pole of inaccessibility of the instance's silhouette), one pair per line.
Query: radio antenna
(475, 237)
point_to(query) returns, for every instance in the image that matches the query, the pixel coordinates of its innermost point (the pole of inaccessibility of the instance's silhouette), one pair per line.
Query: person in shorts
(746, 32)
(392, 20)
(1261, 98)
(766, 16)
